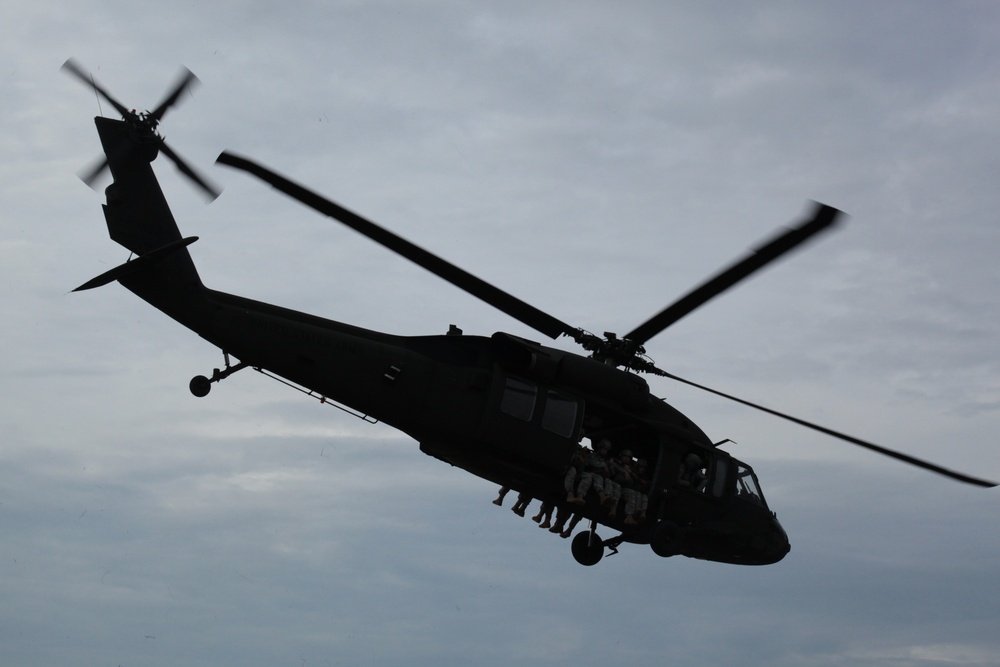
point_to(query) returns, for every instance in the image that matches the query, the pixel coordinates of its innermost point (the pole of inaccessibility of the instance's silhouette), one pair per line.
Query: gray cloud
(595, 161)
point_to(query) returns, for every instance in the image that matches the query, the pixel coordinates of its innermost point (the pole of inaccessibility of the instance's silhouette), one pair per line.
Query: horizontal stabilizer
(138, 264)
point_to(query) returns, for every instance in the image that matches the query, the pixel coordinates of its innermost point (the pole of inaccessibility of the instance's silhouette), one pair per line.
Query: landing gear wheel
(666, 539)
(588, 548)
(200, 386)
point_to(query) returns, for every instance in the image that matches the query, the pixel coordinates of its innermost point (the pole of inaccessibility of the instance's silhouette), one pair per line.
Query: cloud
(595, 162)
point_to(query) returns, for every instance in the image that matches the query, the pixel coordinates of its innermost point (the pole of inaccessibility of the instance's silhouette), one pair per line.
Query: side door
(534, 422)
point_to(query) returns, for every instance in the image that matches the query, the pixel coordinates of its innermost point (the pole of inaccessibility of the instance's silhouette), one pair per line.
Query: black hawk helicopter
(502, 407)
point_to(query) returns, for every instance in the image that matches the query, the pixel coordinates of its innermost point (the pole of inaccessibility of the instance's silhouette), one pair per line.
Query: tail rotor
(144, 125)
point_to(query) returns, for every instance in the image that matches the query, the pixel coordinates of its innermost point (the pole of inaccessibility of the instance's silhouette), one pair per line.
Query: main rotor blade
(184, 82)
(528, 314)
(824, 217)
(212, 191)
(74, 68)
(899, 456)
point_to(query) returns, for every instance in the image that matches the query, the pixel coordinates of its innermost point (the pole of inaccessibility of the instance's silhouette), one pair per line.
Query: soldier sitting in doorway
(595, 470)
(619, 481)
(574, 470)
(640, 487)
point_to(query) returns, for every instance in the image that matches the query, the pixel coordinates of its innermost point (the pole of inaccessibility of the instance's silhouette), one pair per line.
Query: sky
(594, 159)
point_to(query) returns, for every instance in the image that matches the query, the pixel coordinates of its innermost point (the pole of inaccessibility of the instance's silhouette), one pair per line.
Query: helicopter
(502, 407)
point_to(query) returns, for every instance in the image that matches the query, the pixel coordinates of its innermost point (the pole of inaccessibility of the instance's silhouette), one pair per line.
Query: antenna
(93, 82)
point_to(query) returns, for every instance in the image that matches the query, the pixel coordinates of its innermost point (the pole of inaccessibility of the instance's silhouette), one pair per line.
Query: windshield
(746, 485)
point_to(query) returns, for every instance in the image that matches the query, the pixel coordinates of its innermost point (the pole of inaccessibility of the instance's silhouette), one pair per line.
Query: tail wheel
(666, 539)
(588, 548)
(200, 386)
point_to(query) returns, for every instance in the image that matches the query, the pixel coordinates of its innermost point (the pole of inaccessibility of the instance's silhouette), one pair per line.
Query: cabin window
(519, 399)
(560, 414)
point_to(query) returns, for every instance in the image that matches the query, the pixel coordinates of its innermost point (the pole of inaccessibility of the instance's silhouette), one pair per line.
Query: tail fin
(139, 218)
(136, 211)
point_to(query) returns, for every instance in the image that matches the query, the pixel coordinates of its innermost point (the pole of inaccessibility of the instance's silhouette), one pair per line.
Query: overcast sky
(596, 160)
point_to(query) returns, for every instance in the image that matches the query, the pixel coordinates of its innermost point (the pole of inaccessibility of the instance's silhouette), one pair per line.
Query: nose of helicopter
(769, 545)
(777, 543)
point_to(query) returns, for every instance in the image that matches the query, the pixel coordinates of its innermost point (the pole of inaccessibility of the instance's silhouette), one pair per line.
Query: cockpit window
(746, 485)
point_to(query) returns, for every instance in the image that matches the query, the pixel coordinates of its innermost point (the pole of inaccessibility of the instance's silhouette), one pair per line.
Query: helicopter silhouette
(502, 407)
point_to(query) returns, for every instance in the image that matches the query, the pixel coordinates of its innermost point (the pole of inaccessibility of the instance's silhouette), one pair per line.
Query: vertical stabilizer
(136, 210)
(139, 218)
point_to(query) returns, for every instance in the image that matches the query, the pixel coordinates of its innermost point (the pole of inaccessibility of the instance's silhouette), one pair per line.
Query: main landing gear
(667, 539)
(588, 547)
(201, 385)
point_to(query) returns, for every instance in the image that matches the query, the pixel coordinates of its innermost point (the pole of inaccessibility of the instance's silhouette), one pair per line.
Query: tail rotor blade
(91, 175)
(73, 68)
(185, 81)
(211, 190)
(94, 172)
